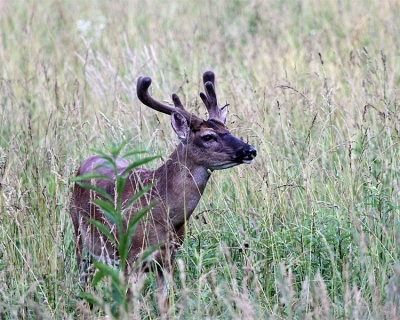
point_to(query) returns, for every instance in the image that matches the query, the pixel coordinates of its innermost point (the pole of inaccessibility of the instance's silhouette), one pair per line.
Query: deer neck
(181, 183)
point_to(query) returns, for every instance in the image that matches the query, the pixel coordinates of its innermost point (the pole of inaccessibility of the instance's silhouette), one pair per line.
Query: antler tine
(209, 76)
(142, 89)
(177, 102)
(210, 98)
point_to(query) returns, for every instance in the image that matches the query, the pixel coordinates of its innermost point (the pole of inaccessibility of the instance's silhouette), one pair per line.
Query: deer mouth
(232, 163)
(225, 165)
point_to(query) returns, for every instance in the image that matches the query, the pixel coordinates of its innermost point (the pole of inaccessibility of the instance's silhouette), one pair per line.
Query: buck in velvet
(205, 146)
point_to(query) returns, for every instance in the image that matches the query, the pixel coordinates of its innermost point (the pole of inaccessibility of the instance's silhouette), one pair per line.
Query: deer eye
(208, 137)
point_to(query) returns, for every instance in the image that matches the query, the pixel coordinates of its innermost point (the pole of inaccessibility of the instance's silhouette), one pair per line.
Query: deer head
(209, 143)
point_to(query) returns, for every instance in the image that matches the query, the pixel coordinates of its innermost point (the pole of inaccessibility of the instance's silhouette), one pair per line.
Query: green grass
(310, 230)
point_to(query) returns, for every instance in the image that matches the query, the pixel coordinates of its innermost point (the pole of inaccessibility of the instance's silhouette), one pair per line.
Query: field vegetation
(311, 229)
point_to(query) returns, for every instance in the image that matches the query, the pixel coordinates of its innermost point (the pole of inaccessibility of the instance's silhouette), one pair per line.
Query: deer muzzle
(246, 154)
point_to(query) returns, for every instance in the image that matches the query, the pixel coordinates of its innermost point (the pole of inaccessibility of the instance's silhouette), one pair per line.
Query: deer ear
(223, 113)
(180, 125)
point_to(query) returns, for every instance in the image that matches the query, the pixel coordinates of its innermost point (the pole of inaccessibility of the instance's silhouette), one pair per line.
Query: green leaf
(125, 242)
(120, 185)
(147, 253)
(134, 152)
(137, 164)
(89, 298)
(116, 295)
(108, 271)
(114, 310)
(115, 151)
(103, 165)
(98, 151)
(98, 277)
(108, 209)
(111, 161)
(103, 229)
(98, 190)
(91, 176)
(138, 194)
(135, 219)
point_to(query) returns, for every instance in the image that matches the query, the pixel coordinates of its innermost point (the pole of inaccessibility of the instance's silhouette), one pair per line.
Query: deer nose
(250, 152)
(247, 154)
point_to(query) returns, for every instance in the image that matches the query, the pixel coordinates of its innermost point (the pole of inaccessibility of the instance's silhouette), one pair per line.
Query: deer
(204, 146)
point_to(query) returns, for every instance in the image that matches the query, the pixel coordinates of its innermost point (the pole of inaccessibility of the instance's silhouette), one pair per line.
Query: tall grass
(310, 230)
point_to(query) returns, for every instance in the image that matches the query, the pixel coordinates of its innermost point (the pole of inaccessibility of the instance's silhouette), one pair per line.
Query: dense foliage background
(310, 229)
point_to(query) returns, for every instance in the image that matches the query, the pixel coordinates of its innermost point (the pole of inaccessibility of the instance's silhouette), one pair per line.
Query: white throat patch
(201, 176)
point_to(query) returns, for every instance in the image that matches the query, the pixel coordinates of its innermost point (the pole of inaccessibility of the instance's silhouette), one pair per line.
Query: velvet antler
(210, 98)
(142, 89)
